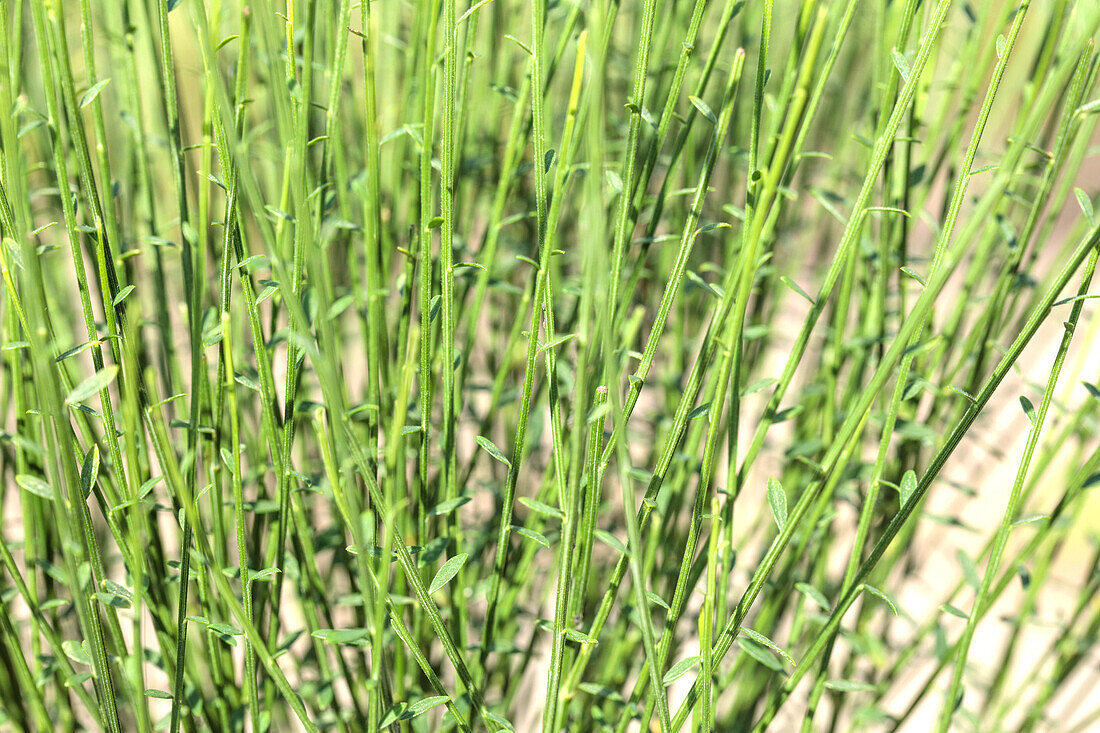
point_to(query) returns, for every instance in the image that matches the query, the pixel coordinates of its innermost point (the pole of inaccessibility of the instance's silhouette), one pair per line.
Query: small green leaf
(435, 222)
(122, 295)
(908, 486)
(615, 181)
(264, 575)
(901, 63)
(1092, 389)
(89, 470)
(657, 600)
(76, 651)
(225, 629)
(89, 96)
(711, 227)
(342, 636)
(423, 705)
(248, 383)
(883, 597)
(760, 653)
(605, 693)
(702, 284)
(699, 411)
(1029, 519)
(704, 109)
(253, 263)
(491, 448)
(504, 723)
(1029, 409)
(449, 506)
(580, 637)
(761, 639)
(909, 271)
(963, 392)
(531, 535)
(969, 569)
(814, 595)
(339, 306)
(556, 342)
(158, 694)
(758, 386)
(1001, 43)
(1085, 203)
(597, 412)
(955, 611)
(611, 541)
(914, 389)
(148, 485)
(787, 413)
(119, 590)
(679, 669)
(777, 499)
(519, 43)
(396, 711)
(112, 600)
(538, 506)
(828, 200)
(795, 287)
(35, 485)
(172, 4)
(92, 385)
(448, 571)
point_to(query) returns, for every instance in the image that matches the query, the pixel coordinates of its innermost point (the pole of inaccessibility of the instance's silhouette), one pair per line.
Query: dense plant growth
(586, 364)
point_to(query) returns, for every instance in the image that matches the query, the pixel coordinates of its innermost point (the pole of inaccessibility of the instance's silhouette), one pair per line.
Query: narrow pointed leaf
(679, 669)
(777, 500)
(92, 385)
(491, 448)
(448, 571)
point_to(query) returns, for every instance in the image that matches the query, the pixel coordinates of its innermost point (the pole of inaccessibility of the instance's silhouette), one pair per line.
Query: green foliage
(373, 365)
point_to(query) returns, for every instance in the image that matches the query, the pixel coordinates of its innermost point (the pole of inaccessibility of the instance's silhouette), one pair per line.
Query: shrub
(585, 365)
